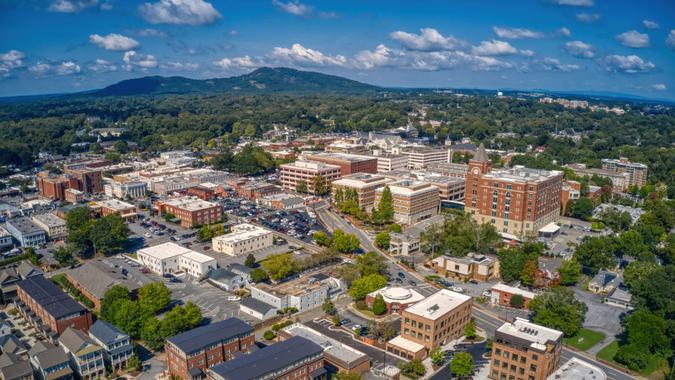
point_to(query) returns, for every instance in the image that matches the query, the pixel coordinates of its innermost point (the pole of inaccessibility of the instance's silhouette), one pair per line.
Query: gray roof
(240, 268)
(604, 278)
(204, 336)
(267, 360)
(12, 367)
(75, 340)
(106, 333)
(223, 274)
(48, 355)
(50, 297)
(97, 278)
(25, 226)
(12, 344)
(257, 305)
(18, 271)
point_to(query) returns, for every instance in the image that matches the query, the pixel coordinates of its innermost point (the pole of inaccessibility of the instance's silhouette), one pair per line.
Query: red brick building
(191, 211)
(189, 354)
(256, 190)
(201, 192)
(501, 294)
(517, 201)
(48, 308)
(348, 163)
(54, 187)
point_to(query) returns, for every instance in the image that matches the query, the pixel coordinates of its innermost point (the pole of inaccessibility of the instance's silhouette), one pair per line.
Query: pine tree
(385, 209)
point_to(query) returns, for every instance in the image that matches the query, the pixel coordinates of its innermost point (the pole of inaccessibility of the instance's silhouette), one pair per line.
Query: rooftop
(339, 156)
(513, 290)
(575, 369)
(105, 332)
(330, 346)
(409, 187)
(24, 225)
(242, 232)
(360, 180)
(438, 304)
(97, 277)
(407, 345)
(197, 257)
(115, 204)
(520, 173)
(257, 305)
(164, 251)
(196, 339)
(50, 219)
(398, 295)
(50, 297)
(311, 165)
(537, 336)
(189, 203)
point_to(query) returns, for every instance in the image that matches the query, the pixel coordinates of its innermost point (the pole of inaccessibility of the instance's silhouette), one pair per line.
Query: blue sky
(53, 46)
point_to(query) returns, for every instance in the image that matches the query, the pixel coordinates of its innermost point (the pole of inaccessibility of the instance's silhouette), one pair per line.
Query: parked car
(457, 289)
(233, 298)
(487, 293)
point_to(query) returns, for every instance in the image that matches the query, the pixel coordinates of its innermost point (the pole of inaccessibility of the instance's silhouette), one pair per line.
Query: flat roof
(438, 304)
(164, 251)
(406, 344)
(550, 228)
(513, 290)
(409, 187)
(50, 219)
(115, 204)
(189, 203)
(330, 346)
(520, 173)
(394, 294)
(536, 334)
(311, 165)
(361, 180)
(576, 369)
(198, 257)
(245, 232)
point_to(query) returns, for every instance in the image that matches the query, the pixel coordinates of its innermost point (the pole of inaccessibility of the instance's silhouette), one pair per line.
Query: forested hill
(261, 81)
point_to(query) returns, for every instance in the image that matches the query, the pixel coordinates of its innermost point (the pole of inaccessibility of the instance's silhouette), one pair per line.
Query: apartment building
(189, 354)
(53, 186)
(94, 278)
(89, 180)
(50, 362)
(47, 307)
(387, 162)
(293, 358)
(363, 184)
(525, 350)
(450, 188)
(413, 200)
(620, 180)
(637, 172)
(348, 163)
(471, 267)
(86, 357)
(243, 239)
(26, 233)
(125, 187)
(517, 201)
(74, 196)
(191, 211)
(54, 226)
(422, 157)
(430, 323)
(117, 347)
(304, 172)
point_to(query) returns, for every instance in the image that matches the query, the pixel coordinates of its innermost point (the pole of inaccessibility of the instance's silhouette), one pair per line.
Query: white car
(147, 235)
(457, 289)
(233, 298)
(487, 293)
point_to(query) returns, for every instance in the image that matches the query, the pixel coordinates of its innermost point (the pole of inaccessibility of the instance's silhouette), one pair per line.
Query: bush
(64, 284)
(517, 301)
(361, 305)
(281, 325)
(269, 335)
(379, 306)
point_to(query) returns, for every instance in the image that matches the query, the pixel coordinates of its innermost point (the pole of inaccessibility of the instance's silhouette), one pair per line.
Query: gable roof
(48, 355)
(200, 337)
(105, 332)
(12, 344)
(75, 341)
(257, 305)
(97, 278)
(13, 367)
(50, 297)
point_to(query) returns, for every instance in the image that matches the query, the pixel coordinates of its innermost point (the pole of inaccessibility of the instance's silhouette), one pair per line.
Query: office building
(430, 323)
(413, 201)
(125, 187)
(196, 264)
(517, 201)
(189, 354)
(471, 267)
(117, 347)
(125, 210)
(74, 196)
(304, 172)
(362, 184)
(525, 350)
(86, 357)
(449, 169)
(637, 172)
(89, 180)
(282, 201)
(243, 239)
(26, 233)
(54, 226)
(201, 192)
(388, 162)
(395, 298)
(304, 293)
(450, 188)
(191, 211)
(348, 163)
(293, 358)
(422, 157)
(94, 278)
(620, 180)
(168, 258)
(577, 369)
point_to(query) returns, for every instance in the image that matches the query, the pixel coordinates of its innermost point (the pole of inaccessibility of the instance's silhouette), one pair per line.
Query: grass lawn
(656, 363)
(609, 351)
(585, 339)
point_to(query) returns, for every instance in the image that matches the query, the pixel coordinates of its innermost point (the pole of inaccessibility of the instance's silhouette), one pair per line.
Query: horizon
(574, 46)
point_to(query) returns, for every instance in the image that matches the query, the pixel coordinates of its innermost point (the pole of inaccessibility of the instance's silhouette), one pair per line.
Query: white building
(303, 294)
(196, 264)
(163, 258)
(576, 369)
(389, 162)
(54, 226)
(124, 188)
(243, 239)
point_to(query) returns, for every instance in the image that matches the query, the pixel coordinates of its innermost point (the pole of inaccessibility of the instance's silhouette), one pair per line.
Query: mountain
(260, 81)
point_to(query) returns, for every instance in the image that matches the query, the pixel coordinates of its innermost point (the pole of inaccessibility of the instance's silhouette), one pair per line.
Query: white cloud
(429, 39)
(650, 24)
(381, 56)
(186, 12)
(9, 61)
(633, 39)
(67, 68)
(149, 32)
(516, 33)
(580, 49)
(133, 60)
(240, 63)
(630, 64)
(179, 66)
(588, 17)
(328, 15)
(70, 6)
(553, 64)
(670, 40)
(302, 56)
(295, 8)
(114, 41)
(102, 66)
(526, 53)
(659, 87)
(63, 68)
(494, 47)
(564, 32)
(575, 3)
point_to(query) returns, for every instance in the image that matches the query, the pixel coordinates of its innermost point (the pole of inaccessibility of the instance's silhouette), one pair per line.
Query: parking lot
(572, 231)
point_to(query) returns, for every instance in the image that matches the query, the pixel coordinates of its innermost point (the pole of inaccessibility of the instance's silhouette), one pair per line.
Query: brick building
(94, 278)
(189, 354)
(86, 180)
(517, 201)
(304, 172)
(202, 192)
(256, 190)
(125, 210)
(637, 172)
(525, 350)
(413, 200)
(191, 211)
(501, 295)
(348, 163)
(396, 299)
(364, 184)
(471, 267)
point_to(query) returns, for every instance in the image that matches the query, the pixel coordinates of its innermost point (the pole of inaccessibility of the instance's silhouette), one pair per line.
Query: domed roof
(397, 293)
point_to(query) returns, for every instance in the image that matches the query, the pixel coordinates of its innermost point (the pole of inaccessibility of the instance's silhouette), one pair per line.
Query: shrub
(269, 335)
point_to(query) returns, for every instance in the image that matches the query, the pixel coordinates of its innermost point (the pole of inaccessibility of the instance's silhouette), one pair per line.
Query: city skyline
(561, 45)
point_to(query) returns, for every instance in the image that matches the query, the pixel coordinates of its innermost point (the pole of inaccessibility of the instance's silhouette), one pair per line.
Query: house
(13, 367)
(242, 270)
(94, 278)
(13, 345)
(117, 344)
(50, 362)
(226, 280)
(5, 328)
(620, 297)
(471, 267)
(11, 274)
(257, 309)
(86, 357)
(604, 282)
(501, 294)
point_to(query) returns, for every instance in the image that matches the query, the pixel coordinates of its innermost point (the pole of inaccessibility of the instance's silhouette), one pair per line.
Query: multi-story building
(125, 187)
(388, 162)
(50, 362)
(169, 258)
(517, 201)
(54, 226)
(413, 200)
(125, 210)
(620, 180)
(571, 191)
(471, 267)
(363, 184)
(202, 192)
(293, 358)
(26, 233)
(500, 294)
(89, 180)
(348, 163)
(166, 185)
(577, 369)
(85, 179)
(450, 188)
(11, 274)
(5, 239)
(256, 190)
(115, 343)
(197, 264)
(243, 238)
(637, 172)
(189, 354)
(191, 211)
(304, 293)
(449, 169)
(304, 172)
(48, 308)
(282, 201)
(396, 299)
(86, 357)
(430, 323)
(74, 196)
(422, 157)
(94, 278)
(525, 350)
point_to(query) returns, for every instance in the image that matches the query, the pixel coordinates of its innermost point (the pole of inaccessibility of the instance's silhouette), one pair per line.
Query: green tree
(169, 217)
(345, 375)
(470, 330)
(109, 234)
(127, 315)
(121, 147)
(204, 233)
(64, 255)
(154, 297)
(348, 273)
(250, 261)
(370, 263)
(517, 301)
(581, 208)
(301, 187)
(514, 260)
(559, 309)
(269, 335)
(258, 275)
(280, 266)
(111, 296)
(462, 365)
(646, 337)
(151, 333)
(382, 240)
(596, 253)
(395, 227)
(437, 356)
(328, 307)
(321, 238)
(570, 271)
(320, 185)
(134, 363)
(344, 243)
(379, 306)
(366, 284)
(413, 369)
(385, 209)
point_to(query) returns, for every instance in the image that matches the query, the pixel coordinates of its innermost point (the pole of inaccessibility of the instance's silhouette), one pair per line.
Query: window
(535, 357)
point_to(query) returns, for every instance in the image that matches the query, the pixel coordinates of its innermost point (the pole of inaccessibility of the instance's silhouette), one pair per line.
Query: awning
(550, 228)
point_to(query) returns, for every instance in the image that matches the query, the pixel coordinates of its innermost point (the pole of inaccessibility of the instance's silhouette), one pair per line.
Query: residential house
(50, 362)
(86, 357)
(117, 344)
(13, 367)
